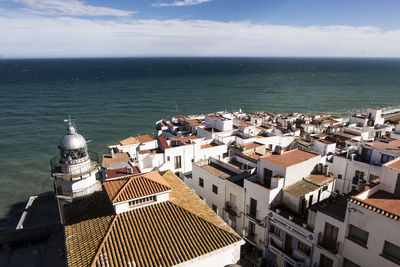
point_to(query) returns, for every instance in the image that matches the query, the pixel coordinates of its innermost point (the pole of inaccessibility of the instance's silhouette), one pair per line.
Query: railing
(328, 245)
(77, 172)
(251, 213)
(55, 161)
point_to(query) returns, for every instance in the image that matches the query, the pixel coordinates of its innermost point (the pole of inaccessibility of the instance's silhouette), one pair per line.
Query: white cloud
(181, 3)
(69, 8)
(77, 37)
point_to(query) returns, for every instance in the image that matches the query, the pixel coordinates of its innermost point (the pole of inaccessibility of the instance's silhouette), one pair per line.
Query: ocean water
(111, 99)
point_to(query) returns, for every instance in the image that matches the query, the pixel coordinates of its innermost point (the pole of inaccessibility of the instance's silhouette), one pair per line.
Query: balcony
(78, 172)
(329, 245)
(230, 209)
(253, 214)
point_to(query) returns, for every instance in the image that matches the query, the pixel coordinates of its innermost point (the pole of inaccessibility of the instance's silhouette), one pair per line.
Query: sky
(169, 28)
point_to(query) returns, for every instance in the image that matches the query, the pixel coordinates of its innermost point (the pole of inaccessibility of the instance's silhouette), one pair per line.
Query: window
(214, 208)
(391, 252)
(349, 263)
(142, 200)
(339, 176)
(215, 189)
(358, 175)
(201, 182)
(178, 163)
(366, 154)
(386, 158)
(253, 208)
(267, 177)
(168, 158)
(225, 155)
(324, 261)
(358, 235)
(275, 231)
(305, 249)
(288, 244)
(330, 235)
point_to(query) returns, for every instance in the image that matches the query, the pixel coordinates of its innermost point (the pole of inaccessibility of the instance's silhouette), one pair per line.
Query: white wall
(296, 172)
(124, 206)
(379, 227)
(347, 169)
(321, 219)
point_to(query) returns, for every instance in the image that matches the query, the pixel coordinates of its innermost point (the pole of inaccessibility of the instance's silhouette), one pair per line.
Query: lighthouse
(74, 170)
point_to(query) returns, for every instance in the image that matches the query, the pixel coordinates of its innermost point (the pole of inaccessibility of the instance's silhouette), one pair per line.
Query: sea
(110, 99)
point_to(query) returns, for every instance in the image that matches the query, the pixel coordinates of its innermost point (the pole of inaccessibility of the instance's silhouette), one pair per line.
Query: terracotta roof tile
(134, 187)
(162, 234)
(144, 138)
(395, 165)
(382, 202)
(118, 157)
(129, 141)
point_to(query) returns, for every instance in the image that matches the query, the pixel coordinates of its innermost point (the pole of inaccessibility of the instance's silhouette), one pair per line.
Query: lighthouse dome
(72, 140)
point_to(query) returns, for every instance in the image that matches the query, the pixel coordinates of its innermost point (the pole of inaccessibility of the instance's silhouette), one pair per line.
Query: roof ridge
(104, 240)
(122, 188)
(131, 179)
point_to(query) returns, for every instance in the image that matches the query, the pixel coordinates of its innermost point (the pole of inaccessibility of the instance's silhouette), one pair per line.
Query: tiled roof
(290, 158)
(391, 145)
(84, 239)
(395, 165)
(184, 197)
(133, 187)
(381, 202)
(136, 140)
(118, 157)
(121, 172)
(163, 142)
(129, 141)
(162, 234)
(144, 138)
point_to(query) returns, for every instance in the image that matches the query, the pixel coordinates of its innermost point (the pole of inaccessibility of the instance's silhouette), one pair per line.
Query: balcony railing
(254, 214)
(231, 209)
(329, 245)
(56, 171)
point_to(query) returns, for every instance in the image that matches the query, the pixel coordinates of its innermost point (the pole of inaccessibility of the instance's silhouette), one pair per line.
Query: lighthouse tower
(74, 169)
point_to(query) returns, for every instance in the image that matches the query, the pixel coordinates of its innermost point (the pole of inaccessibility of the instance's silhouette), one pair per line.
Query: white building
(373, 231)
(365, 164)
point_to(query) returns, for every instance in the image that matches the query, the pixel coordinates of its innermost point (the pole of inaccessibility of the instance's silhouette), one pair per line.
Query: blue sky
(75, 28)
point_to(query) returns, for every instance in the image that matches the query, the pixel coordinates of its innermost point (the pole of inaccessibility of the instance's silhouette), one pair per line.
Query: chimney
(319, 168)
(325, 169)
(278, 150)
(129, 170)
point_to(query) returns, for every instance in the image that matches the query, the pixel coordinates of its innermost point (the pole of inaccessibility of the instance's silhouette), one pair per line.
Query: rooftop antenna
(69, 120)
